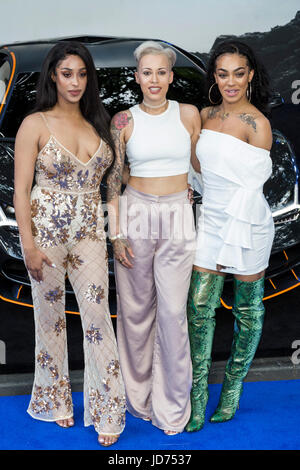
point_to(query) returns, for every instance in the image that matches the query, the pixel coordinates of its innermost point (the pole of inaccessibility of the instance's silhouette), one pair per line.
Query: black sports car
(19, 70)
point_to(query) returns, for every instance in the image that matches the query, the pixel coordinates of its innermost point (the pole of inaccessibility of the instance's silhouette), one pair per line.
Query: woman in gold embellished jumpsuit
(67, 144)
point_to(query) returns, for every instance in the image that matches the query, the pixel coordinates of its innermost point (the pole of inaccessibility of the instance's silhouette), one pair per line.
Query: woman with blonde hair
(153, 239)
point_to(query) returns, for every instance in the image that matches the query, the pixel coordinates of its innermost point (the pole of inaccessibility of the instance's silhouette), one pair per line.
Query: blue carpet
(268, 419)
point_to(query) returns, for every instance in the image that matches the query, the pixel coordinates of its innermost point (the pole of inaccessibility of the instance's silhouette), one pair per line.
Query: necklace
(154, 107)
(224, 116)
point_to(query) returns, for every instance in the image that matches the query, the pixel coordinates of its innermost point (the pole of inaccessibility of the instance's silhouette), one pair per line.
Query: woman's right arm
(120, 124)
(26, 150)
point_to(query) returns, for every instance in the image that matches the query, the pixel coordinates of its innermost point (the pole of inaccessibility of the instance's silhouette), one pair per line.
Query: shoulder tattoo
(120, 121)
(212, 112)
(248, 119)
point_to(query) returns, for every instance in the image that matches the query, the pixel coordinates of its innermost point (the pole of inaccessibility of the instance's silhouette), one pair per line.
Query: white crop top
(159, 144)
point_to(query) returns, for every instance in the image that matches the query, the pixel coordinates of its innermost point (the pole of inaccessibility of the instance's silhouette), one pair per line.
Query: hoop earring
(209, 92)
(249, 92)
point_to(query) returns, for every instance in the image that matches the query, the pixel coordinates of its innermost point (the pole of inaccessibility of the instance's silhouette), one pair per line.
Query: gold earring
(249, 92)
(209, 92)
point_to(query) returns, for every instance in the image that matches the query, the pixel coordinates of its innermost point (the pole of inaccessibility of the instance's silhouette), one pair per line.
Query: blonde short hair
(153, 47)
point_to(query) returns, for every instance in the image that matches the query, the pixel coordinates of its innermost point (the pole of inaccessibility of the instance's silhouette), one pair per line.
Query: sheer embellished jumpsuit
(68, 225)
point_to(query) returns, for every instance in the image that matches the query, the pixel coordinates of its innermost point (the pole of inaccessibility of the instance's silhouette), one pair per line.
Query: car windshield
(118, 91)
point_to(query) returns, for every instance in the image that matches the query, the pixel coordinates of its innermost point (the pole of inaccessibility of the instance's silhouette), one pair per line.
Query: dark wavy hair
(91, 105)
(260, 94)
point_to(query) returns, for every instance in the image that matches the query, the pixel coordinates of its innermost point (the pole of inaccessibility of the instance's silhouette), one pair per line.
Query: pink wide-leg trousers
(152, 329)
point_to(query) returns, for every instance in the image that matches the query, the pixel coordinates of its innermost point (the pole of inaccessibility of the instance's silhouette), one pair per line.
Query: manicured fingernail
(53, 265)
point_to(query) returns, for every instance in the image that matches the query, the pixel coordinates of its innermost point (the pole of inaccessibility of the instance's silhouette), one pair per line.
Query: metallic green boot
(248, 310)
(203, 299)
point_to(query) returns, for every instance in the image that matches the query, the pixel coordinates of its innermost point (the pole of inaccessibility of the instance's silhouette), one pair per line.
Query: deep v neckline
(52, 136)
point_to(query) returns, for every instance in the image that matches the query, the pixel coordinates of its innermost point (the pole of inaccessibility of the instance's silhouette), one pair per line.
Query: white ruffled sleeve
(245, 209)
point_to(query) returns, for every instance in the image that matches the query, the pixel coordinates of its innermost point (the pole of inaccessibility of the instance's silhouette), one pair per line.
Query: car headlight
(9, 210)
(290, 216)
(7, 215)
(291, 212)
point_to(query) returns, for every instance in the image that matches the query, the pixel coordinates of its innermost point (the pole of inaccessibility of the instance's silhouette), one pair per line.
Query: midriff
(160, 186)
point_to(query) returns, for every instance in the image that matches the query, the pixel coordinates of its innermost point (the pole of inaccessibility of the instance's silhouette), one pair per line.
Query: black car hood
(6, 172)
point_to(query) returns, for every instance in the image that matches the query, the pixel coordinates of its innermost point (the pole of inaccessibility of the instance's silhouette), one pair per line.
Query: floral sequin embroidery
(105, 409)
(99, 167)
(52, 397)
(44, 359)
(82, 178)
(113, 368)
(58, 218)
(46, 399)
(94, 294)
(106, 384)
(93, 335)
(91, 218)
(59, 326)
(62, 171)
(52, 214)
(54, 295)
(72, 260)
(54, 372)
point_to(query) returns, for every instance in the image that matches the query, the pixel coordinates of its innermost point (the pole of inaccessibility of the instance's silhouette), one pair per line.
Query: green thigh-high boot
(248, 310)
(203, 299)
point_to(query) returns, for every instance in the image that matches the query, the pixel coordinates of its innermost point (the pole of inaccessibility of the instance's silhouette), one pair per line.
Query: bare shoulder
(263, 123)
(30, 128)
(28, 138)
(190, 116)
(205, 113)
(189, 109)
(32, 121)
(262, 135)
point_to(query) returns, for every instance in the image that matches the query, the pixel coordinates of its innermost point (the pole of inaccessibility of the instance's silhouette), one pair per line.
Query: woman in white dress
(235, 228)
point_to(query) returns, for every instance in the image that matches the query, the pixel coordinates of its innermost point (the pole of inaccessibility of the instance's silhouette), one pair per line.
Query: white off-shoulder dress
(235, 226)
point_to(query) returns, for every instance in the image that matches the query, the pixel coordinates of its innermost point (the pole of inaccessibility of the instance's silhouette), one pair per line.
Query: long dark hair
(91, 105)
(260, 94)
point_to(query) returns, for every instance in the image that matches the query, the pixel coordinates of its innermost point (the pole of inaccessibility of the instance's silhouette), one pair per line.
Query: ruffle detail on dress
(245, 209)
(249, 206)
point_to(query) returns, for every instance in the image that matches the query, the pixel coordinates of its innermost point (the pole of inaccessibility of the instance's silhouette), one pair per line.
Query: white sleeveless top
(159, 145)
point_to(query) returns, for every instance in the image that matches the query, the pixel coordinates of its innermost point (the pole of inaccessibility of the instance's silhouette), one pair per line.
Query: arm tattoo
(114, 179)
(248, 119)
(120, 121)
